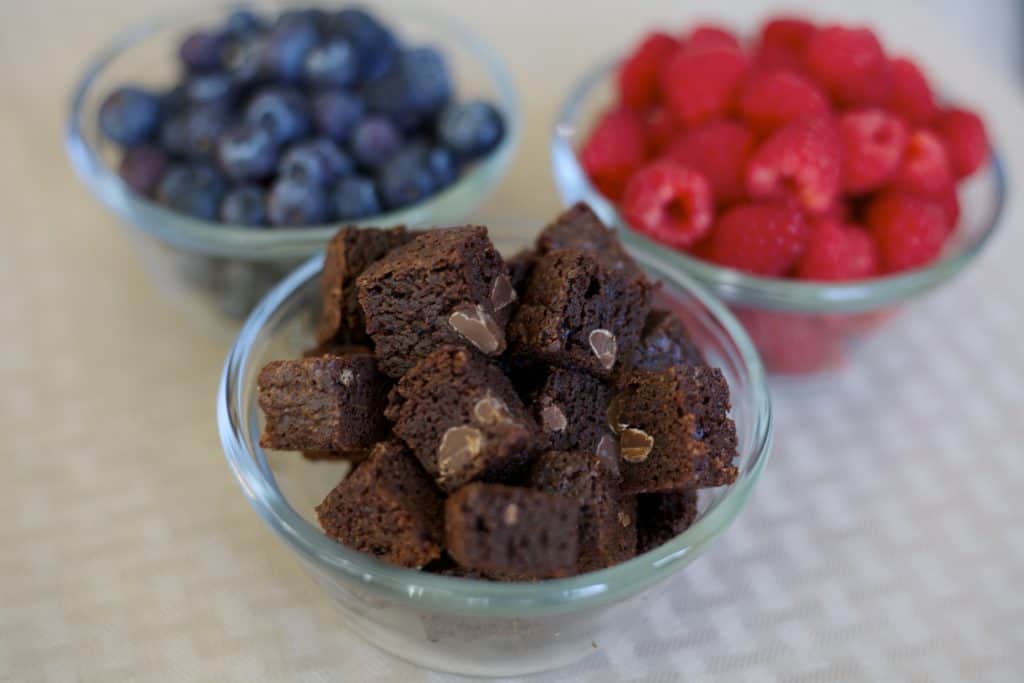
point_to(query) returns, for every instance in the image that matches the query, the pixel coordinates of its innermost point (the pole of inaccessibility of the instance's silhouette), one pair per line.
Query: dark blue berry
(204, 124)
(245, 205)
(286, 47)
(174, 135)
(294, 203)
(247, 152)
(142, 168)
(443, 166)
(311, 18)
(315, 161)
(374, 141)
(410, 177)
(130, 115)
(200, 51)
(375, 46)
(284, 112)
(470, 129)
(336, 113)
(193, 189)
(243, 23)
(217, 87)
(355, 197)
(333, 63)
(242, 58)
(414, 91)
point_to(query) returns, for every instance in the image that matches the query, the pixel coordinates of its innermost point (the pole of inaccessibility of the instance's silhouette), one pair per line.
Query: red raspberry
(669, 202)
(638, 73)
(783, 42)
(873, 144)
(925, 167)
(770, 99)
(661, 128)
(950, 202)
(766, 238)
(800, 161)
(911, 96)
(966, 140)
(615, 149)
(838, 252)
(708, 37)
(701, 85)
(908, 230)
(793, 343)
(850, 64)
(719, 151)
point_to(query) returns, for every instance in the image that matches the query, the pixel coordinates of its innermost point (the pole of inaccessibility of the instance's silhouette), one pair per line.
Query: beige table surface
(127, 553)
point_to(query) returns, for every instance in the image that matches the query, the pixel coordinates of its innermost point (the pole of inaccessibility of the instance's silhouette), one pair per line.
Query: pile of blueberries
(310, 118)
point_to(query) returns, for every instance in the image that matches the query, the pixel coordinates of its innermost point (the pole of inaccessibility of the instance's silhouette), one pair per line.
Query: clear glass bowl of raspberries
(442, 615)
(810, 179)
(234, 140)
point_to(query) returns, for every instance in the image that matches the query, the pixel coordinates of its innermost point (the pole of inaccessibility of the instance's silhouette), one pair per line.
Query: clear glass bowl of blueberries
(234, 142)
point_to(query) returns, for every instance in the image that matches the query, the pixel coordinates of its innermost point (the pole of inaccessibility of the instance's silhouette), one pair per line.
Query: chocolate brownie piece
(348, 254)
(447, 286)
(663, 516)
(571, 409)
(512, 533)
(664, 342)
(607, 519)
(578, 314)
(354, 457)
(323, 403)
(520, 265)
(674, 429)
(387, 507)
(462, 418)
(334, 348)
(580, 228)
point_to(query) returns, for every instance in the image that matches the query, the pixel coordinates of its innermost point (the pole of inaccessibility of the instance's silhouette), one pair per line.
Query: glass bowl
(220, 270)
(464, 626)
(798, 326)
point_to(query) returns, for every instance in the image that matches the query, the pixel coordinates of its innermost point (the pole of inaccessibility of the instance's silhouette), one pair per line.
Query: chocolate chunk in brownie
(663, 516)
(462, 418)
(447, 286)
(387, 507)
(674, 429)
(520, 265)
(323, 403)
(578, 314)
(512, 533)
(664, 342)
(608, 523)
(571, 409)
(580, 228)
(348, 254)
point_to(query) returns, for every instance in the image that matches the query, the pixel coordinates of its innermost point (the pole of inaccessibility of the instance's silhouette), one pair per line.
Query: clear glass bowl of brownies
(491, 454)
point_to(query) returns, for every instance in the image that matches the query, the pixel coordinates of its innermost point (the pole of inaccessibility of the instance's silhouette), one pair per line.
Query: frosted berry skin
(670, 203)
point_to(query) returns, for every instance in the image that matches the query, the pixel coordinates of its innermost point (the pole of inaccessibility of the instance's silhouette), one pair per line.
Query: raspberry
(669, 202)
(966, 140)
(850, 64)
(793, 343)
(765, 238)
(701, 85)
(661, 127)
(925, 167)
(783, 42)
(770, 99)
(710, 37)
(838, 252)
(873, 144)
(911, 96)
(908, 230)
(950, 202)
(638, 74)
(719, 151)
(801, 161)
(615, 149)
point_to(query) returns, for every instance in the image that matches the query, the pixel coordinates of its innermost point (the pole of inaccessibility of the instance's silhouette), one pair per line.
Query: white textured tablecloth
(885, 542)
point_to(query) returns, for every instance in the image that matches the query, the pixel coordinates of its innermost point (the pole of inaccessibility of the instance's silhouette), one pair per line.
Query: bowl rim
(741, 288)
(467, 596)
(221, 239)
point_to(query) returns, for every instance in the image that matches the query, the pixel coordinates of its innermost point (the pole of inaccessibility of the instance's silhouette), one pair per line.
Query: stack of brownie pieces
(511, 420)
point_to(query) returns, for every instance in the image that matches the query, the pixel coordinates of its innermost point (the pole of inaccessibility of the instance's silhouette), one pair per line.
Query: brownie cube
(520, 265)
(323, 403)
(460, 415)
(354, 457)
(607, 519)
(447, 286)
(334, 348)
(663, 516)
(578, 314)
(387, 507)
(512, 533)
(348, 254)
(664, 342)
(674, 429)
(580, 228)
(571, 409)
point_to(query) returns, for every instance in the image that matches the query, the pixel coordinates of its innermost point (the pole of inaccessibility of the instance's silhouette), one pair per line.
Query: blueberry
(470, 129)
(413, 175)
(242, 58)
(200, 51)
(174, 101)
(193, 189)
(355, 197)
(286, 47)
(243, 23)
(142, 167)
(293, 203)
(204, 124)
(315, 161)
(443, 166)
(414, 91)
(374, 141)
(375, 46)
(336, 113)
(247, 152)
(174, 135)
(282, 111)
(333, 63)
(210, 88)
(245, 205)
(129, 115)
(311, 18)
